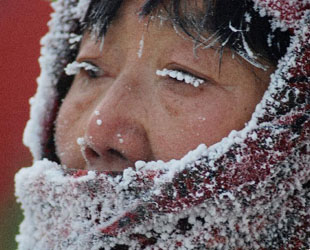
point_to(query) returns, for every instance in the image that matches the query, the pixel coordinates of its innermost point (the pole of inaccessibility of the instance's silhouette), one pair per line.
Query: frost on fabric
(80, 9)
(286, 13)
(70, 208)
(54, 53)
(79, 210)
(248, 191)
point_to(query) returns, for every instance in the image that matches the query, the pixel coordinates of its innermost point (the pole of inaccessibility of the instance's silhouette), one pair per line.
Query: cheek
(65, 136)
(182, 124)
(206, 118)
(70, 125)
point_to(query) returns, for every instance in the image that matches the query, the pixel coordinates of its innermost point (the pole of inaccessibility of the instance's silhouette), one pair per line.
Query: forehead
(102, 13)
(132, 18)
(157, 30)
(128, 31)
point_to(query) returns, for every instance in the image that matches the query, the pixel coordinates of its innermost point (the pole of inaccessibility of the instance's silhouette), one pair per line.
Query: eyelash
(90, 69)
(94, 72)
(181, 76)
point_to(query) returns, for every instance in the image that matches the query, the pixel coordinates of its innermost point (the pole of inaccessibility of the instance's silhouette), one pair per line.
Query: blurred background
(22, 24)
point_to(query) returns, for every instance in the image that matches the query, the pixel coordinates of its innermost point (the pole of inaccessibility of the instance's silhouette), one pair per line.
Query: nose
(115, 136)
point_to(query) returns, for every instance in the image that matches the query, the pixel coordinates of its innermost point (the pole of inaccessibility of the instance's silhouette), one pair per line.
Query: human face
(126, 112)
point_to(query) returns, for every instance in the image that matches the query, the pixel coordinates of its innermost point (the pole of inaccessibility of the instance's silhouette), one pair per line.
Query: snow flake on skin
(99, 122)
(80, 141)
(141, 46)
(120, 139)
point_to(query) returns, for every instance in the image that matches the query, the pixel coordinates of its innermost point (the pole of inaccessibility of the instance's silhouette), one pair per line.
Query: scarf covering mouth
(249, 191)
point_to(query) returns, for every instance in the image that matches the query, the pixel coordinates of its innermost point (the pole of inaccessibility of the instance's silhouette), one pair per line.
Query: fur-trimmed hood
(249, 191)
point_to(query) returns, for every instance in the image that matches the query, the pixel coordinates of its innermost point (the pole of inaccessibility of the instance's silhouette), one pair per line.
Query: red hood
(250, 191)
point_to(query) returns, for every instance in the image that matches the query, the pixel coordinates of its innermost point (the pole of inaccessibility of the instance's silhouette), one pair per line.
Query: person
(170, 125)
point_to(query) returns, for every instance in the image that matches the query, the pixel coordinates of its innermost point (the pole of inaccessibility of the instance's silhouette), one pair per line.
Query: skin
(145, 116)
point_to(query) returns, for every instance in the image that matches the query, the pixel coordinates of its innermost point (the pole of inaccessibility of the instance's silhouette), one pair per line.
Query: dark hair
(215, 20)
(234, 23)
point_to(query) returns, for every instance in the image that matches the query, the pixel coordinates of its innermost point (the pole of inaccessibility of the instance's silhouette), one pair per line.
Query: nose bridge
(114, 123)
(113, 109)
(123, 96)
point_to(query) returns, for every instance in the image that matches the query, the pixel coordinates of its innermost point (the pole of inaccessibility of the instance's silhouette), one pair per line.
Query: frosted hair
(233, 23)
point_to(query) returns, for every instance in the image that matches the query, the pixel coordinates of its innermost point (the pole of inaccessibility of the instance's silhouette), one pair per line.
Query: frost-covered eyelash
(75, 67)
(181, 76)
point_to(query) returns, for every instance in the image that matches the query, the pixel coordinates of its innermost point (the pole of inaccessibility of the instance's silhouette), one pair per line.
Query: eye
(181, 76)
(90, 69)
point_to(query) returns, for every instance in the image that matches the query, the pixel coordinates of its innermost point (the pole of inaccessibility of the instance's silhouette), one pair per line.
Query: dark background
(22, 24)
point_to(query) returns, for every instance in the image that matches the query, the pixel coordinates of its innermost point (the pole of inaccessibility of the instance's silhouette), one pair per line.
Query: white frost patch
(233, 29)
(59, 211)
(247, 48)
(99, 122)
(250, 60)
(120, 139)
(174, 166)
(247, 17)
(248, 55)
(101, 43)
(141, 46)
(81, 9)
(74, 67)
(139, 165)
(269, 39)
(181, 76)
(74, 38)
(80, 141)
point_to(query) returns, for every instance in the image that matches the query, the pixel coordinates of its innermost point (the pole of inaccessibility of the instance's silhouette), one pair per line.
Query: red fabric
(278, 144)
(259, 159)
(288, 12)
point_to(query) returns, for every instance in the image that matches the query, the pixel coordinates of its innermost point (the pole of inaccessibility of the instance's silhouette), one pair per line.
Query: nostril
(90, 153)
(116, 153)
